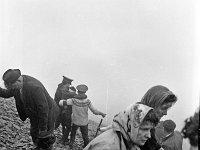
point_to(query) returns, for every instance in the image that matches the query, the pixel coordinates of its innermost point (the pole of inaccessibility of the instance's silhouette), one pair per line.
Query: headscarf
(156, 95)
(128, 121)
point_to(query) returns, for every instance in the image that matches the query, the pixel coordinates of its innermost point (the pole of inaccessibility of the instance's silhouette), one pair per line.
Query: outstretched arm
(95, 111)
(6, 93)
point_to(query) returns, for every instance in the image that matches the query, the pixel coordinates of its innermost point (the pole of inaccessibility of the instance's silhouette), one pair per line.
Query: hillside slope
(14, 133)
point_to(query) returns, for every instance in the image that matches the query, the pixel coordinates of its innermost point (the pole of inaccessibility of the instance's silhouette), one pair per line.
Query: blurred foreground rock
(14, 133)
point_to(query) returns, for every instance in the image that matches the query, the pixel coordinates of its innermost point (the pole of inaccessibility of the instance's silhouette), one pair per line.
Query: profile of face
(162, 109)
(144, 133)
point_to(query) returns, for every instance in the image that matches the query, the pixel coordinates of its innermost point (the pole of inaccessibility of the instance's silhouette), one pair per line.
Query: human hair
(170, 98)
(191, 129)
(169, 126)
(151, 117)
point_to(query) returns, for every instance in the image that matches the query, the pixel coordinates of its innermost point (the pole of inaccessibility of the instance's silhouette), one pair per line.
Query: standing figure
(33, 102)
(80, 106)
(65, 91)
(130, 129)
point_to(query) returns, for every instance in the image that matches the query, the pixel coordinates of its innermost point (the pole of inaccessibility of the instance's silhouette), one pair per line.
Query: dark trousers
(84, 132)
(66, 126)
(34, 130)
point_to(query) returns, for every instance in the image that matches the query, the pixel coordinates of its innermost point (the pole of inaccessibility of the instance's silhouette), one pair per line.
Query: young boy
(80, 105)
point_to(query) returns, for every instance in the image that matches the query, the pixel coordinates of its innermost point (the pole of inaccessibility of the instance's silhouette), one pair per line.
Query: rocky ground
(14, 133)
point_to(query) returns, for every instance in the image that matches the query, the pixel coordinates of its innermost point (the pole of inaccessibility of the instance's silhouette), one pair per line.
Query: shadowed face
(162, 110)
(16, 85)
(144, 133)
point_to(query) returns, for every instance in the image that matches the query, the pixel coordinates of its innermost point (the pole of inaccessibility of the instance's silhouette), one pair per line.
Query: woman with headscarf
(161, 99)
(130, 129)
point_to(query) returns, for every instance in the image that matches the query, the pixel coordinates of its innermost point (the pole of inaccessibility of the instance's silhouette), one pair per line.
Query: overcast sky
(119, 48)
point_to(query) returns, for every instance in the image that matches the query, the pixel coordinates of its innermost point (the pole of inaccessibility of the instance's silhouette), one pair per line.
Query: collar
(168, 136)
(81, 96)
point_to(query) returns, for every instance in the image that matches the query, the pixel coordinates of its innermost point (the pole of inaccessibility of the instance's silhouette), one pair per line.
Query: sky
(118, 48)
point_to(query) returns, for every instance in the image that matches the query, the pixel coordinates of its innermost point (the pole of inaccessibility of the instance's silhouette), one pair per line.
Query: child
(80, 105)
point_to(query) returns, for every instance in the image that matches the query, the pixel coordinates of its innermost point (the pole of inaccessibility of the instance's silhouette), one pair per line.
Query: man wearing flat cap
(33, 102)
(80, 105)
(65, 91)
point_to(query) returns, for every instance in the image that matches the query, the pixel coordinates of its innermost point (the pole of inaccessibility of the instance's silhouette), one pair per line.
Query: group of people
(138, 127)
(77, 104)
(45, 113)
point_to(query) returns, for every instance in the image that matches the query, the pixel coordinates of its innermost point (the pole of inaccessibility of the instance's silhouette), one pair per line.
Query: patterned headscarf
(128, 121)
(155, 96)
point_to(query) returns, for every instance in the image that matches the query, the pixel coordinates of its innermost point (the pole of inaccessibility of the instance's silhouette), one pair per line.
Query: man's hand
(161, 148)
(103, 115)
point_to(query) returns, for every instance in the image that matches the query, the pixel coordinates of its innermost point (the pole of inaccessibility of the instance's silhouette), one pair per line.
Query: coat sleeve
(165, 147)
(42, 108)
(67, 94)
(94, 110)
(19, 105)
(6, 93)
(58, 96)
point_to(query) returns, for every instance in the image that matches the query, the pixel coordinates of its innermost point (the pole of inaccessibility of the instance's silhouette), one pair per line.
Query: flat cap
(66, 80)
(82, 88)
(11, 75)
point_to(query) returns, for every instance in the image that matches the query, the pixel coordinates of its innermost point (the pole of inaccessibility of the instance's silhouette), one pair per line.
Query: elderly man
(33, 102)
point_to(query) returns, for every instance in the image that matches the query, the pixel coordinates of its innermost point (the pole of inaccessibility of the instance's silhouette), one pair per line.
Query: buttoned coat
(34, 102)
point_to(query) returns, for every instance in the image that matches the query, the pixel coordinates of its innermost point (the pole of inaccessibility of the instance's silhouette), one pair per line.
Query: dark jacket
(63, 94)
(58, 94)
(34, 103)
(173, 142)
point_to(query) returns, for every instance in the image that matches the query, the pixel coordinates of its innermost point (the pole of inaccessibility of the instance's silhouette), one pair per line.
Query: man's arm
(6, 93)
(58, 95)
(65, 103)
(19, 105)
(67, 94)
(95, 111)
